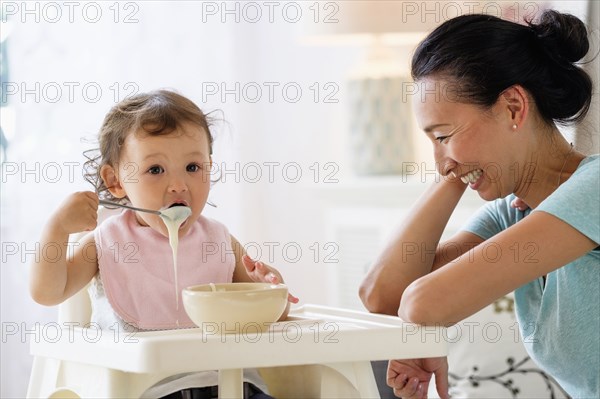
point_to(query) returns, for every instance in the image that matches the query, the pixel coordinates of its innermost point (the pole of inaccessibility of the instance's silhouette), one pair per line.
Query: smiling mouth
(472, 176)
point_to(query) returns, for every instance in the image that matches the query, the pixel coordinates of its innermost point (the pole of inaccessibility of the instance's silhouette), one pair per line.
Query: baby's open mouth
(177, 204)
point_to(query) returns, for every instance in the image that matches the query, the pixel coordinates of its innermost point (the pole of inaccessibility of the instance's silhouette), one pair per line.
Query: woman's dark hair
(484, 55)
(154, 113)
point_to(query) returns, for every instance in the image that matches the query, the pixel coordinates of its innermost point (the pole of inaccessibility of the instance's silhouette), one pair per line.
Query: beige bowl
(235, 307)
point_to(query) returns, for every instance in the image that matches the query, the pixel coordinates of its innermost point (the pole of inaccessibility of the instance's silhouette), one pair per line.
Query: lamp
(380, 116)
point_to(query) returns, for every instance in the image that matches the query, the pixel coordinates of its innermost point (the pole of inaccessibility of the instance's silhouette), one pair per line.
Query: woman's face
(468, 141)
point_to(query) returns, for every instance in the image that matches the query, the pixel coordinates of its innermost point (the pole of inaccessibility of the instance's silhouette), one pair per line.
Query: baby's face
(159, 171)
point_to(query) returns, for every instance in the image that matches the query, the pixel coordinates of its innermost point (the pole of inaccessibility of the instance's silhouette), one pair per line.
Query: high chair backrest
(78, 308)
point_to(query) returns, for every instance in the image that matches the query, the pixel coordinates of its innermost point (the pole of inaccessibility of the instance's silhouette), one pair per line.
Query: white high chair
(319, 353)
(82, 372)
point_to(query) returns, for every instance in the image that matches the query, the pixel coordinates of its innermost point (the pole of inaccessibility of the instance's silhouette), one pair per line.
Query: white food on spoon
(173, 217)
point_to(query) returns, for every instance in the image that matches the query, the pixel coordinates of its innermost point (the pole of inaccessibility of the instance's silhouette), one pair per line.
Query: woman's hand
(410, 377)
(262, 273)
(77, 213)
(519, 204)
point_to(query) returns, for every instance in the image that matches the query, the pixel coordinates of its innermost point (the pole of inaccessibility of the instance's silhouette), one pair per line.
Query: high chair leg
(44, 377)
(365, 380)
(358, 374)
(53, 378)
(231, 384)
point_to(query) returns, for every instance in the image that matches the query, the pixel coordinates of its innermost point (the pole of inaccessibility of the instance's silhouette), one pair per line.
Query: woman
(493, 92)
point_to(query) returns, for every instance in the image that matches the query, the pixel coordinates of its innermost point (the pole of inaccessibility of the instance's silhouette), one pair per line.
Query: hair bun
(563, 35)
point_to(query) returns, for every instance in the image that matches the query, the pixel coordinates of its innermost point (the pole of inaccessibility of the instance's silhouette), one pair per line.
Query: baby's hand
(262, 273)
(77, 213)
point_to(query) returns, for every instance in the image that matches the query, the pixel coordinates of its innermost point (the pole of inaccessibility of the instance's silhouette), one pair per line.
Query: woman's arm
(58, 274)
(534, 247)
(413, 252)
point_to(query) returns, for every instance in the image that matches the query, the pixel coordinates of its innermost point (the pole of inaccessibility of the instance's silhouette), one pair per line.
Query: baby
(155, 152)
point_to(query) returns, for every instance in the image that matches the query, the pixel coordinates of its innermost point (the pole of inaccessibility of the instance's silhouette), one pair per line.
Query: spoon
(174, 213)
(116, 204)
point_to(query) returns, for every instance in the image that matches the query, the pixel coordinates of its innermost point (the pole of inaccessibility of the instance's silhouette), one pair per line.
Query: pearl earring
(514, 127)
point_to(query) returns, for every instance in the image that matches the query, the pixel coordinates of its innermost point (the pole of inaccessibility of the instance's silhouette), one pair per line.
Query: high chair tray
(311, 335)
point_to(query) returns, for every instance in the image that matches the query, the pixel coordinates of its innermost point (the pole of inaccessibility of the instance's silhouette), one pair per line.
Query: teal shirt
(560, 321)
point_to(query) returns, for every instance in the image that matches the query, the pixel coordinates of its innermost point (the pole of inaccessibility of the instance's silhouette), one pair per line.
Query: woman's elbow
(419, 306)
(412, 309)
(373, 300)
(367, 296)
(412, 313)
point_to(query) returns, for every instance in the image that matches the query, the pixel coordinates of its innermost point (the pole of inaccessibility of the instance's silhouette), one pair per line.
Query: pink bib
(136, 267)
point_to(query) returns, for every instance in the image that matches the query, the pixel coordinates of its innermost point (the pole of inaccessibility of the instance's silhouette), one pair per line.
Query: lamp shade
(380, 130)
(360, 22)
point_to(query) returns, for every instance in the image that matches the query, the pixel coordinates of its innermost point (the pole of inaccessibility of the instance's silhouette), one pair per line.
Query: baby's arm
(249, 270)
(59, 272)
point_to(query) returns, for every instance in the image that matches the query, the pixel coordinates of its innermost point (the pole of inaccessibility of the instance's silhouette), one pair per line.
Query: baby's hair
(155, 113)
(485, 55)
